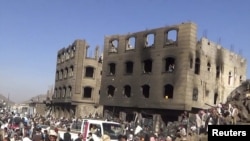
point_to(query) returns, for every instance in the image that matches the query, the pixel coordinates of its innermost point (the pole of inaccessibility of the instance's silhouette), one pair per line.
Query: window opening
(89, 72)
(69, 91)
(71, 71)
(55, 93)
(87, 92)
(66, 73)
(60, 92)
(229, 77)
(217, 71)
(64, 92)
(131, 43)
(191, 63)
(57, 75)
(208, 66)
(127, 91)
(61, 74)
(112, 69)
(150, 38)
(197, 66)
(111, 91)
(58, 58)
(241, 79)
(145, 91)
(171, 37)
(169, 64)
(215, 98)
(113, 46)
(195, 94)
(168, 91)
(129, 67)
(147, 66)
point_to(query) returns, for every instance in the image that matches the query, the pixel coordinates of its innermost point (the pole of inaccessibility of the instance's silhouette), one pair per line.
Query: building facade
(77, 82)
(165, 71)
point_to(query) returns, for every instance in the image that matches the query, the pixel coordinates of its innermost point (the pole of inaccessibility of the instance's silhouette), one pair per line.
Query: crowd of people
(16, 127)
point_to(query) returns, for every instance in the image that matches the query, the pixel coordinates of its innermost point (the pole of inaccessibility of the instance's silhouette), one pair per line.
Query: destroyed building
(77, 82)
(165, 71)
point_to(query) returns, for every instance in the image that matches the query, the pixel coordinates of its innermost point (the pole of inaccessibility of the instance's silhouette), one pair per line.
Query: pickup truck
(100, 127)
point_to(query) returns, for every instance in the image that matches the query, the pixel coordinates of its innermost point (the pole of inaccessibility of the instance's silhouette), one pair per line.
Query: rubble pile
(241, 98)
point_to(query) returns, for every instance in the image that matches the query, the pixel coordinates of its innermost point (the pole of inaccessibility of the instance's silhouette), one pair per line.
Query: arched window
(69, 92)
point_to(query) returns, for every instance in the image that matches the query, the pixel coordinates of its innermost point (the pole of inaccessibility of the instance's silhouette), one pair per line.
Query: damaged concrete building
(77, 82)
(159, 73)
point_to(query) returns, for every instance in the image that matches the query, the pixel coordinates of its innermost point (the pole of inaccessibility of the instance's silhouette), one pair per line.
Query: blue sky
(32, 31)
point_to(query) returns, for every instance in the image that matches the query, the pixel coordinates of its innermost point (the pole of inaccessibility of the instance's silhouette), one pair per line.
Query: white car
(43, 127)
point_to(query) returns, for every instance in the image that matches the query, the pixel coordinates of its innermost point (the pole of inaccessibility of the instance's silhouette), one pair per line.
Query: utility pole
(8, 102)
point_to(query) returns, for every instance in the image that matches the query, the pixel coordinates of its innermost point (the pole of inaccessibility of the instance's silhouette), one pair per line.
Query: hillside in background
(2, 97)
(38, 98)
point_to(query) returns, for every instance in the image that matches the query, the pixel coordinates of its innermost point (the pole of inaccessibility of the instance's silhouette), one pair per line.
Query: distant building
(77, 82)
(166, 71)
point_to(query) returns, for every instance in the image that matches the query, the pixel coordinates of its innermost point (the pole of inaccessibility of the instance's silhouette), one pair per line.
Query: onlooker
(52, 135)
(67, 135)
(79, 137)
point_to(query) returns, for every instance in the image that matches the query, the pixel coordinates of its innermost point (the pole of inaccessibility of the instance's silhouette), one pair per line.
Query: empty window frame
(113, 45)
(195, 94)
(230, 77)
(61, 74)
(58, 58)
(217, 71)
(87, 92)
(145, 91)
(197, 66)
(191, 61)
(62, 57)
(112, 68)
(71, 71)
(171, 36)
(216, 97)
(64, 91)
(66, 72)
(57, 75)
(67, 54)
(129, 67)
(89, 72)
(147, 66)
(73, 50)
(55, 93)
(150, 39)
(60, 93)
(111, 91)
(130, 43)
(69, 93)
(168, 91)
(169, 64)
(127, 91)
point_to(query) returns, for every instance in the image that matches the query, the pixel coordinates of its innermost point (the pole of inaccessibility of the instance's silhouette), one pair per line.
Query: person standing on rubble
(235, 113)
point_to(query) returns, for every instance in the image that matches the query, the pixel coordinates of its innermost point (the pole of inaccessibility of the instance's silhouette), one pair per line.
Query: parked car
(43, 127)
